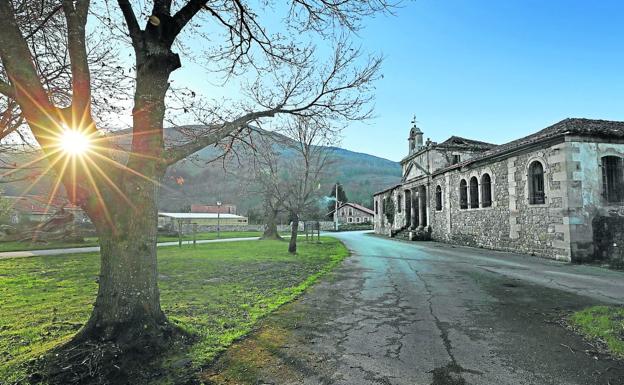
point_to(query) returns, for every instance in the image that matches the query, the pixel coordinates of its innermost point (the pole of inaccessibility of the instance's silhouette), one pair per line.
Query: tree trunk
(127, 308)
(270, 231)
(292, 245)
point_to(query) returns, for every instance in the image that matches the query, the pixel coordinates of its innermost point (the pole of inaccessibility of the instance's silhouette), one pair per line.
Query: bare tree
(288, 181)
(303, 175)
(267, 181)
(119, 191)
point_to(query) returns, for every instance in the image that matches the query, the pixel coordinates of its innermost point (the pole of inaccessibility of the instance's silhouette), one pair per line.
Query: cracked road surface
(428, 313)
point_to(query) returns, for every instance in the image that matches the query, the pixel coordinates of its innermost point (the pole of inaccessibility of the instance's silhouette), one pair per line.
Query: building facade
(554, 193)
(352, 213)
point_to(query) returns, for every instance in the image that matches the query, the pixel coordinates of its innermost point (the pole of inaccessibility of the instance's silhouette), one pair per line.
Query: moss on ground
(604, 323)
(216, 291)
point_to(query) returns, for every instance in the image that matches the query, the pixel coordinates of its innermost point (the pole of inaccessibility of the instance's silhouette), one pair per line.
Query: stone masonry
(538, 195)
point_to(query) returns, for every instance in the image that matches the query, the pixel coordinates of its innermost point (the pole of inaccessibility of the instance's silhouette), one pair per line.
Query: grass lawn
(93, 241)
(217, 291)
(605, 323)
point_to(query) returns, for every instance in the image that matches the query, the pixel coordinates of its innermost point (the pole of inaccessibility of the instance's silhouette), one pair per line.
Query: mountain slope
(360, 174)
(198, 181)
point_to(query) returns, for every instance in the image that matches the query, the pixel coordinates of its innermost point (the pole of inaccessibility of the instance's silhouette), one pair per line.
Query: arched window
(463, 194)
(613, 179)
(399, 202)
(536, 184)
(376, 207)
(486, 191)
(474, 193)
(438, 198)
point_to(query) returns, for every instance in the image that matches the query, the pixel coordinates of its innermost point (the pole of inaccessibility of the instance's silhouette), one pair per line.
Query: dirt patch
(448, 375)
(259, 359)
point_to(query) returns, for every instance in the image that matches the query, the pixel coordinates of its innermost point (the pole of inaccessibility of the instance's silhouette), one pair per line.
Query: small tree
(342, 197)
(266, 180)
(304, 173)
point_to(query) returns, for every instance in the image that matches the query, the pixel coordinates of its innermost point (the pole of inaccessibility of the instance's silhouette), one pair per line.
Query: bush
(355, 226)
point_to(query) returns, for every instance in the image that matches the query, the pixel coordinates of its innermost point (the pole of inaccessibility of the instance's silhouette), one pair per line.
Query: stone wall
(511, 223)
(585, 196)
(562, 228)
(609, 239)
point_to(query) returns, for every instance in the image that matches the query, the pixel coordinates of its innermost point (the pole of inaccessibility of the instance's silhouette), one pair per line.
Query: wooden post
(180, 233)
(194, 234)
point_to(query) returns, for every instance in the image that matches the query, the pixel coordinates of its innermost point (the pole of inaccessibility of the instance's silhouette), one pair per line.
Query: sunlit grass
(605, 323)
(92, 241)
(217, 291)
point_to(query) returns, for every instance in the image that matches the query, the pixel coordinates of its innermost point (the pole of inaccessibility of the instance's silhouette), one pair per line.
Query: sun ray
(57, 184)
(28, 164)
(39, 107)
(126, 168)
(109, 181)
(44, 173)
(103, 205)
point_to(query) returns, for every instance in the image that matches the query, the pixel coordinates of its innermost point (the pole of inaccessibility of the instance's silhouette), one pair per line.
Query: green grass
(93, 241)
(605, 323)
(217, 291)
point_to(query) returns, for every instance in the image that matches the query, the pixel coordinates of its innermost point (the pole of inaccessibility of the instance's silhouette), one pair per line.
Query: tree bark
(127, 307)
(292, 245)
(270, 231)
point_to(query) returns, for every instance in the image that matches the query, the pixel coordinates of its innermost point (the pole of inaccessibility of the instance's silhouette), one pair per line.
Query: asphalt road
(428, 313)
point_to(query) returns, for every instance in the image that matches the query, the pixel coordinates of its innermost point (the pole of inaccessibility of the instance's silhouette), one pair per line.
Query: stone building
(558, 193)
(352, 213)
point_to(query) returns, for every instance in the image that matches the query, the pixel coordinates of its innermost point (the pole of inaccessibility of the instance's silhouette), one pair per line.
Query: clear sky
(491, 70)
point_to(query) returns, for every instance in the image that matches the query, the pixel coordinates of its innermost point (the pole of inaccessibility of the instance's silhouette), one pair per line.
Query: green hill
(198, 181)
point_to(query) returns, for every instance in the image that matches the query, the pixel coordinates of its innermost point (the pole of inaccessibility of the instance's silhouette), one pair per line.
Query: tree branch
(186, 13)
(215, 133)
(18, 63)
(76, 18)
(7, 90)
(133, 25)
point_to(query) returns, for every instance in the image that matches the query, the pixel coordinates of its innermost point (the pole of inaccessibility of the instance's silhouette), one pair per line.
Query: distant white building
(201, 219)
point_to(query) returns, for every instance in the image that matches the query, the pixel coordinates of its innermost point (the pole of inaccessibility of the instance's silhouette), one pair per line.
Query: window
(536, 184)
(456, 159)
(438, 198)
(399, 197)
(613, 179)
(357, 219)
(350, 220)
(376, 207)
(474, 193)
(486, 190)
(350, 211)
(463, 194)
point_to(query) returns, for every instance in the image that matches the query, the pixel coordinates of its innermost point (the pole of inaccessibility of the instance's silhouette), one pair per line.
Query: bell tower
(415, 138)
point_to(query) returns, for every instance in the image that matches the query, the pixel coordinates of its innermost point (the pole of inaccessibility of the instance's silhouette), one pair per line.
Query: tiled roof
(570, 126)
(458, 141)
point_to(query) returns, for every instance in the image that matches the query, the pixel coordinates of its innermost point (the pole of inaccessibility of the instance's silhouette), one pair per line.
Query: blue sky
(491, 70)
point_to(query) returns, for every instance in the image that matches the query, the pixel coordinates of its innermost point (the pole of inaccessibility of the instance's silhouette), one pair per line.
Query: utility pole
(218, 219)
(336, 209)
